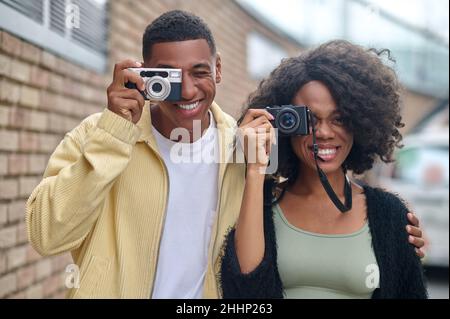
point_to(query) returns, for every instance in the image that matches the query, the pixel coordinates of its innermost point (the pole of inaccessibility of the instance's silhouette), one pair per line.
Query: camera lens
(287, 121)
(157, 87)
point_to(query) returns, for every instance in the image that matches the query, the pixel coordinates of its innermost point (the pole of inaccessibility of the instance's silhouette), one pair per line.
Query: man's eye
(201, 74)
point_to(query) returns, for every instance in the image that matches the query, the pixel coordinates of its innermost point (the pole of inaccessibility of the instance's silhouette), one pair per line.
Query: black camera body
(290, 120)
(160, 84)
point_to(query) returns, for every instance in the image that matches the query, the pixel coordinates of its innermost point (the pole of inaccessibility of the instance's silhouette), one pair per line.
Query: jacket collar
(226, 126)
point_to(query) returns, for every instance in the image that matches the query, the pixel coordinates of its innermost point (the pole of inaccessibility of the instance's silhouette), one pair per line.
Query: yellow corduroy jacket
(103, 198)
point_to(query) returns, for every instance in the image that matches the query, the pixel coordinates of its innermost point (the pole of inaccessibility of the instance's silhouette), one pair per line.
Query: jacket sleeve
(411, 274)
(64, 207)
(264, 281)
(403, 271)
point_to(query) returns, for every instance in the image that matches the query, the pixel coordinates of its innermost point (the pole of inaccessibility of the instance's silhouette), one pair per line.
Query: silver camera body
(160, 84)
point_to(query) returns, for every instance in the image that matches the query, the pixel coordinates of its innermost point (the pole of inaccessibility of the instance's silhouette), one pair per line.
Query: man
(138, 224)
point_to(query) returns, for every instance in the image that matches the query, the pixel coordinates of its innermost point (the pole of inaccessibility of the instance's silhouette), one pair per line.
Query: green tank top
(319, 266)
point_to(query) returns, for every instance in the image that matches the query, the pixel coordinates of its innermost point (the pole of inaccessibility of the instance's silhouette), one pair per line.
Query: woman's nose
(324, 130)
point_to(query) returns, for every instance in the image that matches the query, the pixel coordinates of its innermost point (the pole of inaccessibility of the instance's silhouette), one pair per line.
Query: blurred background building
(52, 76)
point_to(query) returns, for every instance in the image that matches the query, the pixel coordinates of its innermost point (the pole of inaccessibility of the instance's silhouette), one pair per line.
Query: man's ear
(218, 68)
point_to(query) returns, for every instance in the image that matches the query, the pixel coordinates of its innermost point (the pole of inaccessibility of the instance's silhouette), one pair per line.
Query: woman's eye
(338, 121)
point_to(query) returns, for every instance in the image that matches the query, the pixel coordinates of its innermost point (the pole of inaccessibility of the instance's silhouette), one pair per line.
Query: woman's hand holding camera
(257, 135)
(125, 102)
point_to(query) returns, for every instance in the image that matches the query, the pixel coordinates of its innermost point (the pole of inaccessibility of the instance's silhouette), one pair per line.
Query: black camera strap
(343, 207)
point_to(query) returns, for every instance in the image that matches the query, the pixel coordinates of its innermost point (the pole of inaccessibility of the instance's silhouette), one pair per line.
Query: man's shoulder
(85, 126)
(222, 117)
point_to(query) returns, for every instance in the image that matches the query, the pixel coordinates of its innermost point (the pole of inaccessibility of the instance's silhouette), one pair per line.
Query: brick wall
(41, 97)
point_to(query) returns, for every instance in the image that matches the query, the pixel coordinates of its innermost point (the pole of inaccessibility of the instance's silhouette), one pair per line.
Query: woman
(290, 240)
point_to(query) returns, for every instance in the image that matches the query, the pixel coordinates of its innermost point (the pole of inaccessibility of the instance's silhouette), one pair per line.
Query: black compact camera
(290, 120)
(160, 84)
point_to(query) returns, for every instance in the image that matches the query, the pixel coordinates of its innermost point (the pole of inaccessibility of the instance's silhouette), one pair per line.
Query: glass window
(73, 29)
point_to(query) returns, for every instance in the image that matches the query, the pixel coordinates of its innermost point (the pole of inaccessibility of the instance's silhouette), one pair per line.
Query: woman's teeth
(189, 107)
(327, 151)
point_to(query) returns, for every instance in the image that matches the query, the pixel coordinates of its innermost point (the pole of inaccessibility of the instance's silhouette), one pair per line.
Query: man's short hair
(176, 26)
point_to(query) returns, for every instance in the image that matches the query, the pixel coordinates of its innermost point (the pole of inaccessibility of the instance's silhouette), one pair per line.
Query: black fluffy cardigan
(401, 272)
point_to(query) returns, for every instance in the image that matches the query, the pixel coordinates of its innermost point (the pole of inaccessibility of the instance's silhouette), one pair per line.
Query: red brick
(4, 115)
(31, 53)
(61, 294)
(32, 255)
(48, 100)
(38, 121)
(59, 263)
(39, 77)
(18, 117)
(10, 141)
(8, 237)
(34, 292)
(29, 97)
(16, 212)
(27, 185)
(9, 91)
(56, 123)
(20, 71)
(26, 276)
(5, 65)
(11, 44)
(17, 164)
(43, 268)
(18, 295)
(52, 285)
(8, 284)
(9, 188)
(3, 214)
(48, 60)
(3, 164)
(17, 257)
(37, 163)
(28, 141)
(56, 83)
(22, 235)
(2, 262)
(48, 142)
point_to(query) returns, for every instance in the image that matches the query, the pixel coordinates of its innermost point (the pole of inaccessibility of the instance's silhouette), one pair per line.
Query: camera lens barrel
(157, 88)
(287, 121)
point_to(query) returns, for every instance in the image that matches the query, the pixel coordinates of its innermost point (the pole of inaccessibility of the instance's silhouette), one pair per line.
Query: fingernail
(138, 64)
(408, 228)
(411, 239)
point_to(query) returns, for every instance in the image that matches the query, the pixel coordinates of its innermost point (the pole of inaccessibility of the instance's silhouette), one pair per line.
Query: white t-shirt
(190, 215)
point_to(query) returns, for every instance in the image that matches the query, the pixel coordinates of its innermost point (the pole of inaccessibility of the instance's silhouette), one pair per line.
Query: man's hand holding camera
(127, 103)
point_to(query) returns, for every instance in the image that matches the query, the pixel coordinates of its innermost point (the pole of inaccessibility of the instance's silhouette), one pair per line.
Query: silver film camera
(160, 84)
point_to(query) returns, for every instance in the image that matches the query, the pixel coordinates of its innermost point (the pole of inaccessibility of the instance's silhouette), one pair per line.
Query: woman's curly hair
(365, 89)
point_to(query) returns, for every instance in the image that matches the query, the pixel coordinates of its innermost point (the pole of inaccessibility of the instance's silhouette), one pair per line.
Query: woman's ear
(218, 68)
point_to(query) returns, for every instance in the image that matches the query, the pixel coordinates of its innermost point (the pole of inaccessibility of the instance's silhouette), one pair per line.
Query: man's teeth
(327, 151)
(188, 107)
